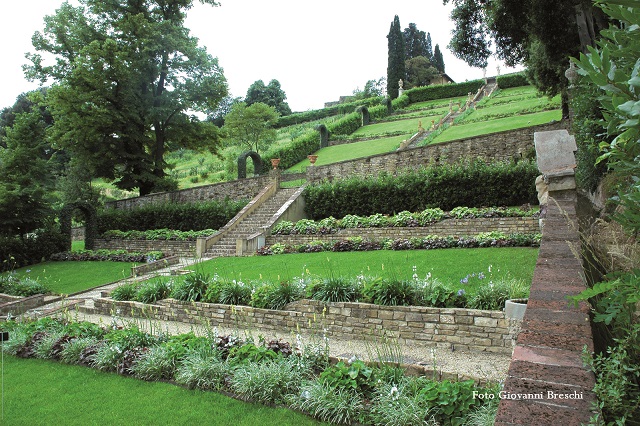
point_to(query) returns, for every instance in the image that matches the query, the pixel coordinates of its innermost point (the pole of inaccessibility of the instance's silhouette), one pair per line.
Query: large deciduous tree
(541, 34)
(271, 94)
(127, 79)
(395, 66)
(251, 126)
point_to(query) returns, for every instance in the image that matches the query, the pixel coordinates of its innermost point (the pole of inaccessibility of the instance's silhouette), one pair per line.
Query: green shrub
(152, 291)
(276, 295)
(442, 91)
(268, 382)
(157, 363)
(336, 289)
(354, 376)
(390, 292)
(491, 296)
(22, 287)
(174, 216)
(337, 406)
(235, 292)
(16, 252)
(434, 293)
(512, 80)
(473, 184)
(397, 405)
(192, 288)
(124, 292)
(202, 369)
(73, 349)
(157, 234)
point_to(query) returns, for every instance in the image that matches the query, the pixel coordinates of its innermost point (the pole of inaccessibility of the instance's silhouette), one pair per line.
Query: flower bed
(108, 255)
(157, 235)
(268, 371)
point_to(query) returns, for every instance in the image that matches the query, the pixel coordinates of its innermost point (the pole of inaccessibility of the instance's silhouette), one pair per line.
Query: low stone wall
(16, 305)
(145, 268)
(180, 248)
(447, 227)
(464, 329)
(502, 146)
(241, 189)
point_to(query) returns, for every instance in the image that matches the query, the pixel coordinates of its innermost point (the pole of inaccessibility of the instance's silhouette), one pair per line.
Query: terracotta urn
(312, 159)
(275, 162)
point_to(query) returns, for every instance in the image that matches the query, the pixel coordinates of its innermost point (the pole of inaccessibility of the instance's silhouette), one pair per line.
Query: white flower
(352, 359)
(394, 394)
(305, 395)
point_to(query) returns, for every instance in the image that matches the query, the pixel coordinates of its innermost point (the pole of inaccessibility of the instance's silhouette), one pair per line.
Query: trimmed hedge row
(318, 114)
(16, 252)
(180, 217)
(157, 235)
(442, 91)
(430, 242)
(107, 256)
(512, 80)
(474, 184)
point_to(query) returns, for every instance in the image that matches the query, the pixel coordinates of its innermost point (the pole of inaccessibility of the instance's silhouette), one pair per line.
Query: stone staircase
(251, 224)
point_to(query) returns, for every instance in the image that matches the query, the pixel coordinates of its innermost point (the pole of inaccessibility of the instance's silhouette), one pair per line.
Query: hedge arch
(366, 117)
(324, 135)
(242, 164)
(90, 222)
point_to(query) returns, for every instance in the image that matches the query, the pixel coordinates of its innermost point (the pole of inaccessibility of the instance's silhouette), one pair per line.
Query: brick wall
(465, 329)
(447, 227)
(181, 248)
(242, 189)
(494, 147)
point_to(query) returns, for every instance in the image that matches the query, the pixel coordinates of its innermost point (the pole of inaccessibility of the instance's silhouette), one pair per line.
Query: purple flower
(461, 292)
(480, 276)
(464, 280)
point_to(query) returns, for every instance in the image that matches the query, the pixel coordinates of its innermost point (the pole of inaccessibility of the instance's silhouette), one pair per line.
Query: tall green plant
(614, 67)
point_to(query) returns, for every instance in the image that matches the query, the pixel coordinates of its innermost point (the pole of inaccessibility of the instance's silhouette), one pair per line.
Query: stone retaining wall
(463, 329)
(242, 189)
(447, 227)
(180, 248)
(502, 146)
(17, 305)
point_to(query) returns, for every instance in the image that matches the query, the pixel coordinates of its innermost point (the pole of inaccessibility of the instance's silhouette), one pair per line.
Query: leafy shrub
(340, 406)
(390, 292)
(16, 252)
(157, 363)
(124, 292)
(438, 295)
(398, 406)
(472, 184)
(335, 289)
(250, 353)
(492, 296)
(192, 288)
(512, 80)
(22, 286)
(175, 216)
(450, 402)
(276, 295)
(235, 292)
(157, 234)
(71, 352)
(152, 291)
(202, 369)
(355, 376)
(268, 382)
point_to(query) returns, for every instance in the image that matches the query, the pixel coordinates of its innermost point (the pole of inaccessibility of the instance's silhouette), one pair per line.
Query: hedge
(512, 80)
(179, 217)
(473, 184)
(442, 91)
(16, 252)
(318, 114)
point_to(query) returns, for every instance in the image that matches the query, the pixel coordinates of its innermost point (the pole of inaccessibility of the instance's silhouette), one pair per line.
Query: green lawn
(409, 127)
(462, 131)
(351, 151)
(516, 107)
(38, 392)
(448, 265)
(71, 277)
(438, 103)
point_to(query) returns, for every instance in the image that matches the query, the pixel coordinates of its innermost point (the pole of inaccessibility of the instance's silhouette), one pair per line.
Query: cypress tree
(438, 60)
(395, 67)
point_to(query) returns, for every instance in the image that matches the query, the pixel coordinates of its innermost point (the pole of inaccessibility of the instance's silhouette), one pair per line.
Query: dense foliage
(512, 80)
(331, 225)
(107, 255)
(16, 252)
(395, 62)
(473, 184)
(318, 114)
(174, 216)
(442, 91)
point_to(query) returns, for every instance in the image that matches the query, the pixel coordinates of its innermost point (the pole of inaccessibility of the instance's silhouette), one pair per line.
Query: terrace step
(251, 224)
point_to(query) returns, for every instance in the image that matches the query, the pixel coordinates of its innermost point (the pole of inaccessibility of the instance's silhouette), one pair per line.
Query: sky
(318, 51)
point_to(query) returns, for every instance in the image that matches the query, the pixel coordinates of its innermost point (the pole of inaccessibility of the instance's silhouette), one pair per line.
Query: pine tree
(395, 67)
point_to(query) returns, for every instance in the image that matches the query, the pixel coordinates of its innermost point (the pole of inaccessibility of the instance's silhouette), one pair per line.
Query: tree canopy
(271, 94)
(416, 43)
(127, 80)
(251, 126)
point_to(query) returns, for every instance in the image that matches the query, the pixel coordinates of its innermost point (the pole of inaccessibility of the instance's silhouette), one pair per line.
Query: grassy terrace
(39, 392)
(449, 265)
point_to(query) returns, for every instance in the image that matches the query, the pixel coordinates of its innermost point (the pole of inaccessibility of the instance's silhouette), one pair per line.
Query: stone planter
(275, 162)
(312, 159)
(515, 308)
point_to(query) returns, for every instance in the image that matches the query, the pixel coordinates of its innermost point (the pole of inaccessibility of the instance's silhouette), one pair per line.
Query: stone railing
(547, 382)
(463, 329)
